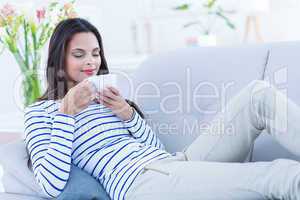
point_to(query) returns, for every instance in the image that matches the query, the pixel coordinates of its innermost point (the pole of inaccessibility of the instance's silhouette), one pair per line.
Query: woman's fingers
(110, 98)
(105, 99)
(101, 101)
(113, 101)
(108, 93)
(114, 90)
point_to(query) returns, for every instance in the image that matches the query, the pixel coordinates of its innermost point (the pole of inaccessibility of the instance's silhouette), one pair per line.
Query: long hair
(56, 75)
(57, 86)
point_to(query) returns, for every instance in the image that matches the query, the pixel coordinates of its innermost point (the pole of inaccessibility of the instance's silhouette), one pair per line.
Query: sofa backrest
(180, 90)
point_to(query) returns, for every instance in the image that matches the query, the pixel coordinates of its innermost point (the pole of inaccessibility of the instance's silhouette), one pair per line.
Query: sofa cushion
(17, 177)
(11, 196)
(19, 181)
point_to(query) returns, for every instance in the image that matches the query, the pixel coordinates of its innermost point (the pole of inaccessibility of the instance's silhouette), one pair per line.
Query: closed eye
(77, 55)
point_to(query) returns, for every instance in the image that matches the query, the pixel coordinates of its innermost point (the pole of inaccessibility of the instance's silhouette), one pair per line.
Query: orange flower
(72, 14)
(9, 19)
(68, 6)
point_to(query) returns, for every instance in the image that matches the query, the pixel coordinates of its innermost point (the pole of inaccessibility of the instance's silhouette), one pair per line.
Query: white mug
(102, 81)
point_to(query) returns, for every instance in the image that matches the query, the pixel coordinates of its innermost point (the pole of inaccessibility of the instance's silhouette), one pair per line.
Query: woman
(107, 137)
(66, 126)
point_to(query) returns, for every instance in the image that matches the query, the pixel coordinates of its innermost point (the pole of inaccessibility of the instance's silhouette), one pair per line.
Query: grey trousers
(211, 167)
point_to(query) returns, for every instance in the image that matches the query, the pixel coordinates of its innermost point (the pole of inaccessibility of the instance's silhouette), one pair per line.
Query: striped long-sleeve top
(96, 140)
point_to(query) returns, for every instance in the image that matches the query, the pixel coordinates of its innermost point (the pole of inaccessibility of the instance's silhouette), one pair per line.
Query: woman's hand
(78, 98)
(111, 98)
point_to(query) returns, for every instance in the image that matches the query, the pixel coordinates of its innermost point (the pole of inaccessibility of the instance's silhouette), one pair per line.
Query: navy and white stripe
(96, 140)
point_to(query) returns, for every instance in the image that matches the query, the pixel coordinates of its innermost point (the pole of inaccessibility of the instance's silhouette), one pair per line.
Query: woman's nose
(90, 60)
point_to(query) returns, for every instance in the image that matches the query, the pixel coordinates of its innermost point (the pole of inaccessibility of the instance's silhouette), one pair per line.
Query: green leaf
(52, 5)
(26, 29)
(226, 19)
(33, 27)
(182, 7)
(210, 3)
(2, 47)
(42, 35)
(231, 25)
(20, 61)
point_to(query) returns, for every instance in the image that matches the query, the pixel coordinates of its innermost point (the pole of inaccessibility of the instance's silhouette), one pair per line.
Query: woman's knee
(257, 85)
(260, 89)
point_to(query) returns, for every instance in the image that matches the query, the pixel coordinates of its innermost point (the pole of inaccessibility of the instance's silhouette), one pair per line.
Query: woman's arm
(49, 143)
(132, 120)
(141, 131)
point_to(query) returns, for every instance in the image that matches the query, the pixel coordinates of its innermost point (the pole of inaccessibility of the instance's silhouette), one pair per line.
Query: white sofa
(187, 86)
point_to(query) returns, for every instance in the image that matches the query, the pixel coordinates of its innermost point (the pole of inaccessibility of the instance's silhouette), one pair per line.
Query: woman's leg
(257, 107)
(197, 180)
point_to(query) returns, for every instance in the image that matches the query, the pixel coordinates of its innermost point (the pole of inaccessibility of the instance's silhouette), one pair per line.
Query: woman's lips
(88, 72)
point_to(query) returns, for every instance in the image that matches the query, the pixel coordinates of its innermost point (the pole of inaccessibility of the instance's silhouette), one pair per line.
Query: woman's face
(82, 57)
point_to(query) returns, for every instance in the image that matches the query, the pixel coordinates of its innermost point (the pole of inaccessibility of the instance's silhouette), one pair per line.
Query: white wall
(115, 19)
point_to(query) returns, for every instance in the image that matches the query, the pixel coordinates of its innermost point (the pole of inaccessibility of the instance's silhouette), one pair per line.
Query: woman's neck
(71, 84)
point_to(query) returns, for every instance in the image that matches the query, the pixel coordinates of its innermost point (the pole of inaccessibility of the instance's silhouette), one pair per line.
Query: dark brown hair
(55, 69)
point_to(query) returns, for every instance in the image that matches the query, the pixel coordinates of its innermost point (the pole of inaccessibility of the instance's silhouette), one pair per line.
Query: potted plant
(209, 12)
(25, 37)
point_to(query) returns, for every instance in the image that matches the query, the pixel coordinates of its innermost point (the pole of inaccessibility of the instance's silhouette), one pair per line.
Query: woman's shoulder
(44, 105)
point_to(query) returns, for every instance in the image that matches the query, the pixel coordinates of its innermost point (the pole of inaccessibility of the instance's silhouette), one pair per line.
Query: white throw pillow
(17, 177)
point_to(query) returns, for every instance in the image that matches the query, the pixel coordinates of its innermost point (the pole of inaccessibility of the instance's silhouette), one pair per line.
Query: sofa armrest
(11, 196)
